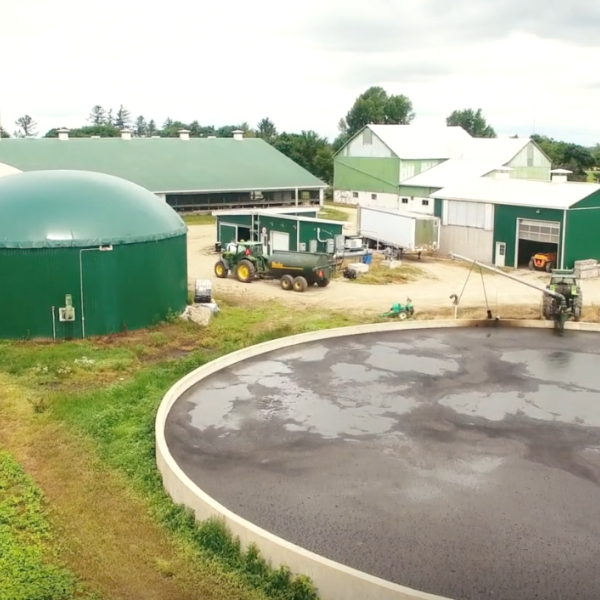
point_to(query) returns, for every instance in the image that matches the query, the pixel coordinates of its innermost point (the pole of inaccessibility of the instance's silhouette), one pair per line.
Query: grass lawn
(333, 214)
(79, 417)
(199, 219)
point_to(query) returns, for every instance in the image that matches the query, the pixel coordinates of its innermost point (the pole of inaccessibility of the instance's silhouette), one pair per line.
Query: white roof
(450, 172)
(412, 142)
(399, 211)
(519, 192)
(8, 170)
(498, 150)
(285, 210)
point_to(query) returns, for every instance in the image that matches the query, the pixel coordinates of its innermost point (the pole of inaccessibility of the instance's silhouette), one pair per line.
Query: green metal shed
(86, 254)
(507, 221)
(280, 229)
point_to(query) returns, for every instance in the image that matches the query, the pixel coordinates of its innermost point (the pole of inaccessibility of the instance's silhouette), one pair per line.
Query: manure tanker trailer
(294, 270)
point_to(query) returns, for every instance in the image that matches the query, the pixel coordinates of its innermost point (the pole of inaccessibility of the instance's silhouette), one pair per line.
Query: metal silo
(85, 254)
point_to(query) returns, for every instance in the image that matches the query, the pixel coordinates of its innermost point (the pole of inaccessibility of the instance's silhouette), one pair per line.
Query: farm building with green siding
(189, 173)
(294, 231)
(86, 254)
(506, 221)
(399, 166)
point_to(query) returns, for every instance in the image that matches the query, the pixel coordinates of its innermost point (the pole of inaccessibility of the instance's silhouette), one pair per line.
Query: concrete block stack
(587, 269)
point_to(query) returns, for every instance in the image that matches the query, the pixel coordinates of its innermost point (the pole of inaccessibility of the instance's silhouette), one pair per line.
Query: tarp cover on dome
(66, 209)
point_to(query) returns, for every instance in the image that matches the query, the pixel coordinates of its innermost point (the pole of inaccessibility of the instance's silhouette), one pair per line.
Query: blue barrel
(367, 259)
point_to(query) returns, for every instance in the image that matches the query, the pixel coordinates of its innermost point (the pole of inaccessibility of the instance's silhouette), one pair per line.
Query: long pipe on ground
(499, 272)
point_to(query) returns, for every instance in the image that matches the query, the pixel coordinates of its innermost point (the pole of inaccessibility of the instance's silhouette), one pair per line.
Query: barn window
(355, 194)
(373, 196)
(404, 200)
(468, 214)
(425, 202)
(367, 137)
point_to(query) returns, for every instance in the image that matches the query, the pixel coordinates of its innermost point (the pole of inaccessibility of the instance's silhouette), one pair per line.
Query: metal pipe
(499, 272)
(53, 324)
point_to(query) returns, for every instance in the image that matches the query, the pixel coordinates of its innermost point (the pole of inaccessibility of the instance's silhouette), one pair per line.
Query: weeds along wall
(118, 251)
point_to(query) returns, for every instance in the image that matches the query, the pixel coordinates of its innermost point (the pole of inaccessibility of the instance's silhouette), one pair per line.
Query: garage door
(279, 241)
(539, 231)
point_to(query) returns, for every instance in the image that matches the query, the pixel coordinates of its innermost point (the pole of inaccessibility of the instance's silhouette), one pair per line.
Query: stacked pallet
(587, 269)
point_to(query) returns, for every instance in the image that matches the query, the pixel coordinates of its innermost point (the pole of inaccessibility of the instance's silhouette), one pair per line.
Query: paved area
(464, 463)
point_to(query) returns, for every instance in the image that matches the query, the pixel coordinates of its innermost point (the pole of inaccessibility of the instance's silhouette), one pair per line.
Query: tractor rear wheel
(323, 282)
(287, 283)
(531, 265)
(548, 307)
(577, 306)
(221, 270)
(300, 284)
(549, 267)
(245, 271)
(403, 315)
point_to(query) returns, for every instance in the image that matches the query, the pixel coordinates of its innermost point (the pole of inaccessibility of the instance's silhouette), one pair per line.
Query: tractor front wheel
(531, 265)
(300, 284)
(221, 270)
(402, 315)
(245, 271)
(287, 283)
(549, 267)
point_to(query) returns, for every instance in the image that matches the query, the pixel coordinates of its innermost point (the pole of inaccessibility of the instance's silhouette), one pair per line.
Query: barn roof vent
(63, 134)
(125, 134)
(238, 134)
(560, 175)
(502, 173)
(184, 134)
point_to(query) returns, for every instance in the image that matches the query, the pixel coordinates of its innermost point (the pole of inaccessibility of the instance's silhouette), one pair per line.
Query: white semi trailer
(401, 231)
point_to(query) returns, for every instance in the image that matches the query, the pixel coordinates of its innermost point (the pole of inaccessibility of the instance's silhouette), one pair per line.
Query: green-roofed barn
(86, 254)
(189, 173)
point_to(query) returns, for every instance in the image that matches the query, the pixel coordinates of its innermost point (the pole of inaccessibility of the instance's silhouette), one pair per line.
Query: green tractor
(295, 270)
(563, 282)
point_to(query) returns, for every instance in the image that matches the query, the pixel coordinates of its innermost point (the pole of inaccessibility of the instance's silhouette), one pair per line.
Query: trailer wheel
(323, 282)
(221, 270)
(245, 271)
(300, 284)
(287, 283)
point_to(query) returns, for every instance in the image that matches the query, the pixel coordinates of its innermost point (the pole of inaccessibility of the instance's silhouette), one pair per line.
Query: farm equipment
(562, 300)
(401, 311)
(295, 270)
(543, 261)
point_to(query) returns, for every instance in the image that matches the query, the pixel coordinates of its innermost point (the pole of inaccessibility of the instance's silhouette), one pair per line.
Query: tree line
(309, 149)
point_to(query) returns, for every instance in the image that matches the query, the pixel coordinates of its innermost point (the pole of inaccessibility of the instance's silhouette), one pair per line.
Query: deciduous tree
(266, 130)
(376, 106)
(565, 155)
(472, 121)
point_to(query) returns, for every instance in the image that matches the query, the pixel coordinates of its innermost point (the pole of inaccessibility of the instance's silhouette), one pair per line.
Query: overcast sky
(527, 63)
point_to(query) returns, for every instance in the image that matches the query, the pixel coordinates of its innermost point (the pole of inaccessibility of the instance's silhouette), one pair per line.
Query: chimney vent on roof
(184, 134)
(502, 173)
(560, 175)
(238, 134)
(63, 134)
(125, 134)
